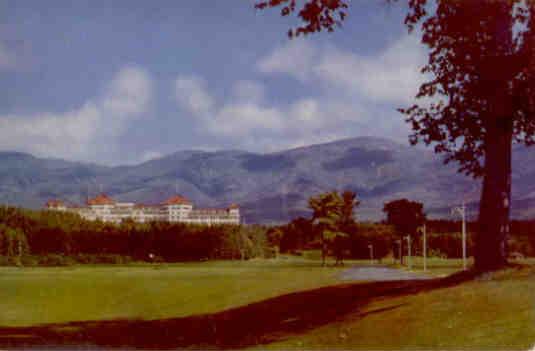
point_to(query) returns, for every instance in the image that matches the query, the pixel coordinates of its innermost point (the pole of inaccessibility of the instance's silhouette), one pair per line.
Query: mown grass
(436, 267)
(494, 311)
(30, 296)
(40, 295)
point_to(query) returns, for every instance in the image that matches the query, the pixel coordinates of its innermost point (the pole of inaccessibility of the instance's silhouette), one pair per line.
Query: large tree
(480, 97)
(405, 216)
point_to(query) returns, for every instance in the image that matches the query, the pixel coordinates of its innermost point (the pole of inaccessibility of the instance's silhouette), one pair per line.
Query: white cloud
(271, 143)
(60, 135)
(391, 75)
(150, 155)
(294, 58)
(254, 121)
(248, 91)
(129, 93)
(241, 115)
(306, 111)
(242, 119)
(190, 93)
(354, 92)
(78, 133)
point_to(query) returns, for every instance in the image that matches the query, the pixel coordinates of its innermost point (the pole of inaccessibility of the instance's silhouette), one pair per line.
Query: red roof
(54, 203)
(101, 199)
(145, 206)
(177, 200)
(233, 206)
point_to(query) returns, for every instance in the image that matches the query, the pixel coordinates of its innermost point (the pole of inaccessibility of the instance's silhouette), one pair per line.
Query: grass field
(30, 296)
(436, 267)
(494, 311)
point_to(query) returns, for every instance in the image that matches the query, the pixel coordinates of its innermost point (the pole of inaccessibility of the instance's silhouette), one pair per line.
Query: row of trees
(333, 228)
(42, 233)
(333, 215)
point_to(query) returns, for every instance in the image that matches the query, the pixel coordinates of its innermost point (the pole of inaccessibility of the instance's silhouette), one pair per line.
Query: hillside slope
(270, 187)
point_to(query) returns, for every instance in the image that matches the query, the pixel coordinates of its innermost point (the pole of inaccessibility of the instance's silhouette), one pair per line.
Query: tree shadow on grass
(258, 323)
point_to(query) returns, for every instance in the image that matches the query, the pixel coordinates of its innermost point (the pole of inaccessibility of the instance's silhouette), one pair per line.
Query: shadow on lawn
(258, 323)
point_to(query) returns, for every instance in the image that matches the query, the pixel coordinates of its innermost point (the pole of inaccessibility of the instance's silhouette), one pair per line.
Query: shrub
(56, 260)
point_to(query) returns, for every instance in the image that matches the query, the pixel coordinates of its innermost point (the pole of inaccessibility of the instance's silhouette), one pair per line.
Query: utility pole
(462, 211)
(425, 247)
(399, 250)
(409, 263)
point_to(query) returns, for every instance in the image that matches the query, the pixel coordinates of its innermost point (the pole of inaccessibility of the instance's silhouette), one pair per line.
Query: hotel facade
(175, 209)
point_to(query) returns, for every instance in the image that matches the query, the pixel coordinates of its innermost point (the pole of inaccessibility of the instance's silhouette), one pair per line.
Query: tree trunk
(401, 250)
(494, 210)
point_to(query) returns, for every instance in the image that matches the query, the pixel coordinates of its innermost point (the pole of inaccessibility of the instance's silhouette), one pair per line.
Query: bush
(102, 259)
(436, 253)
(5, 261)
(270, 252)
(56, 260)
(310, 254)
(30, 261)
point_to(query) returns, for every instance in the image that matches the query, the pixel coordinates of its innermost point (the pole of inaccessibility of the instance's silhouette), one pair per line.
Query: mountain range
(270, 187)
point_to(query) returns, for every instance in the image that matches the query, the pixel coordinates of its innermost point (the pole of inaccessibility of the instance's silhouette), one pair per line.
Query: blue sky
(125, 81)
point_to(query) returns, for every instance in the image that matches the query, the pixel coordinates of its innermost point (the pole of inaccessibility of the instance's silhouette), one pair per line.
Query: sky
(123, 82)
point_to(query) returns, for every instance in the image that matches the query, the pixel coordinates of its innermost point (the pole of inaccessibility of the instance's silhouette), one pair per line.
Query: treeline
(54, 238)
(443, 239)
(446, 237)
(46, 237)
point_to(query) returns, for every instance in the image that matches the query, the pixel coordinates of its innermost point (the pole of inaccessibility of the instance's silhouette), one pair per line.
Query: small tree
(274, 237)
(333, 214)
(14, 243)
(405, 216)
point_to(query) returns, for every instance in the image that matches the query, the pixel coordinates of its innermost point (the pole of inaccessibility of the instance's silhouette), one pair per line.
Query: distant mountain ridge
(272, 187)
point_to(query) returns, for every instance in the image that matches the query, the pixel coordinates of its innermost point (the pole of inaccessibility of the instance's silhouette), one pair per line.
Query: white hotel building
(174, 209)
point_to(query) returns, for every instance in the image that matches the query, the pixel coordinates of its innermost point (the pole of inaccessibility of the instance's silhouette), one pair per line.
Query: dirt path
(380, 273)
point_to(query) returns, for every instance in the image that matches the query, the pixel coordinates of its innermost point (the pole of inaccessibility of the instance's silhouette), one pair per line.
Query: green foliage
(56, 260)
(13, 244)
(299, 234)
(406, 216)
(64, 238)
(332, 213)
(380, 236)
(443, 239)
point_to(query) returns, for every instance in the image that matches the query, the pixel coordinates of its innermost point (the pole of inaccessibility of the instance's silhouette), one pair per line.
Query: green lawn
(495, 311)
(436, 267)
(30, 296)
